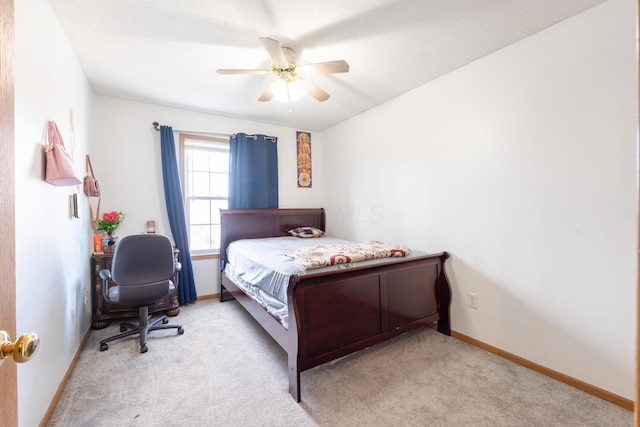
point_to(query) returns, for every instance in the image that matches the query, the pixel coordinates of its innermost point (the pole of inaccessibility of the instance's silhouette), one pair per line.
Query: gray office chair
(142, 268)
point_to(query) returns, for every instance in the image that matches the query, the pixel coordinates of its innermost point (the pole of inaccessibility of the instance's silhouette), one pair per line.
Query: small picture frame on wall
(303, 144)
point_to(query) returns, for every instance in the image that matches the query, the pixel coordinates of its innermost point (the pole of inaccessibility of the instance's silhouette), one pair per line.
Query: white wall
(126, 158)
(52, 249)
(522, 166)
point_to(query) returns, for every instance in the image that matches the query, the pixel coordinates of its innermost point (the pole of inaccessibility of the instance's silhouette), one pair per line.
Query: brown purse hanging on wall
(92, 189)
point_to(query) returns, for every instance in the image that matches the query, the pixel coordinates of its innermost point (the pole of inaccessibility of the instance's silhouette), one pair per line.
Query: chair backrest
(142, 267)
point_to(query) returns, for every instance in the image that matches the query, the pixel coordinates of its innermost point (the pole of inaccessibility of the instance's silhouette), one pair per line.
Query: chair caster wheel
(123, 328)
(180, 330)
(143, 348)
(165, 321)
(104, 347)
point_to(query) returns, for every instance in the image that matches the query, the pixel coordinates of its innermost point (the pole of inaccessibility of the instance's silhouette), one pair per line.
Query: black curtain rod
(156, 126)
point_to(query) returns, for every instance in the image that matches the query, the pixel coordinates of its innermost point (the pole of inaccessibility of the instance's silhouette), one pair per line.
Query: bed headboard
(259, 223)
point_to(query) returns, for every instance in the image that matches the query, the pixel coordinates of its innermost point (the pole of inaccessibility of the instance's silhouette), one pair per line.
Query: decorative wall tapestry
(303, 142)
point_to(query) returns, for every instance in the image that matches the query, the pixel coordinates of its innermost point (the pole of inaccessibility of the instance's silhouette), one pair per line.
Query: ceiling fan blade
(231, 71)
(267, 94)
(275, 51)
(313, 90)
(329, 67)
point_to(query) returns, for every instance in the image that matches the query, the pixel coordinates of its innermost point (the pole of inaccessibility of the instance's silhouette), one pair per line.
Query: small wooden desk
(102, 311)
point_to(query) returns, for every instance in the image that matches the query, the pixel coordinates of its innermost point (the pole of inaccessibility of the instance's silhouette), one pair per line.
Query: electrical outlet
(472, 299)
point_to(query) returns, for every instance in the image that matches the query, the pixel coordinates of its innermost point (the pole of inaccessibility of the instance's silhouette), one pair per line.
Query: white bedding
(262, 267)
(267, 261)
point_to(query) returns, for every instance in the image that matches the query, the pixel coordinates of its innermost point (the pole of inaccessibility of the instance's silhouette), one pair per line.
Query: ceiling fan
(290, 83)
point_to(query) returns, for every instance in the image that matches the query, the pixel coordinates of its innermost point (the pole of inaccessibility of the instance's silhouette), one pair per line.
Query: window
(205, 180)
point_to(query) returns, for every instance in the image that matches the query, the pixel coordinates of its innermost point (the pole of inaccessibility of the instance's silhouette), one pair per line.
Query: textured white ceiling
(167, 51)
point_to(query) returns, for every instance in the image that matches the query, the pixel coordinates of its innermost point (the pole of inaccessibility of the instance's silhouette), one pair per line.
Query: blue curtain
(175, 210)
(253, 172)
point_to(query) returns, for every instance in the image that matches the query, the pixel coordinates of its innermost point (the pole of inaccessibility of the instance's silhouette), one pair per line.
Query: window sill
(205, 256)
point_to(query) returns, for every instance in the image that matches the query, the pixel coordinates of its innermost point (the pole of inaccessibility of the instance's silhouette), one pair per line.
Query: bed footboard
(333, 315)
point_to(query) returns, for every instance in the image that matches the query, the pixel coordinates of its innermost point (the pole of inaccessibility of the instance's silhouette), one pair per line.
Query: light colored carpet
(226, 371)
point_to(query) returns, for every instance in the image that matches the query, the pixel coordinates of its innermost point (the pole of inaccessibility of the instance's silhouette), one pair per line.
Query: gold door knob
(22, 350)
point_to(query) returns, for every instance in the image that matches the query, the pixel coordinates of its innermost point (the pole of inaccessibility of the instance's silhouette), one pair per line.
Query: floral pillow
(306, 232)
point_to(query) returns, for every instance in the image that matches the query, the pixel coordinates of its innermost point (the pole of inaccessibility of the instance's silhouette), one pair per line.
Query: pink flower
(110, 221)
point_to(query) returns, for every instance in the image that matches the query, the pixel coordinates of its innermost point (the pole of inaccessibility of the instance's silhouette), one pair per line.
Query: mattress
(263, 267)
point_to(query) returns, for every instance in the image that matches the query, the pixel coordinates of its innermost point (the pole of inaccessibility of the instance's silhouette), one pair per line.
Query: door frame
(636, 416)
(8, 370)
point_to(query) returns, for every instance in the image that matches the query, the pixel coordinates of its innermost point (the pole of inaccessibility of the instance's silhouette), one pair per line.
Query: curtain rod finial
(156, 125)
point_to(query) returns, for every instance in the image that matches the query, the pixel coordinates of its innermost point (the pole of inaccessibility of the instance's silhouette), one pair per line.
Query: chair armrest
(105, 275)
(176, 277)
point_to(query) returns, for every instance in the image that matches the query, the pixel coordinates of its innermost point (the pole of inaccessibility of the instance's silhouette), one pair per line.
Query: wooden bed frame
(332, 314)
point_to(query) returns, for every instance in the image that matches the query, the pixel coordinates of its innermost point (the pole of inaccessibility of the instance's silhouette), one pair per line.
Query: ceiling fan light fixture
(286, 90)
(289, 85)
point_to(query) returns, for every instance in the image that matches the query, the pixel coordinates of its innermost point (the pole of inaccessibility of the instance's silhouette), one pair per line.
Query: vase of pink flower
(109, 222)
